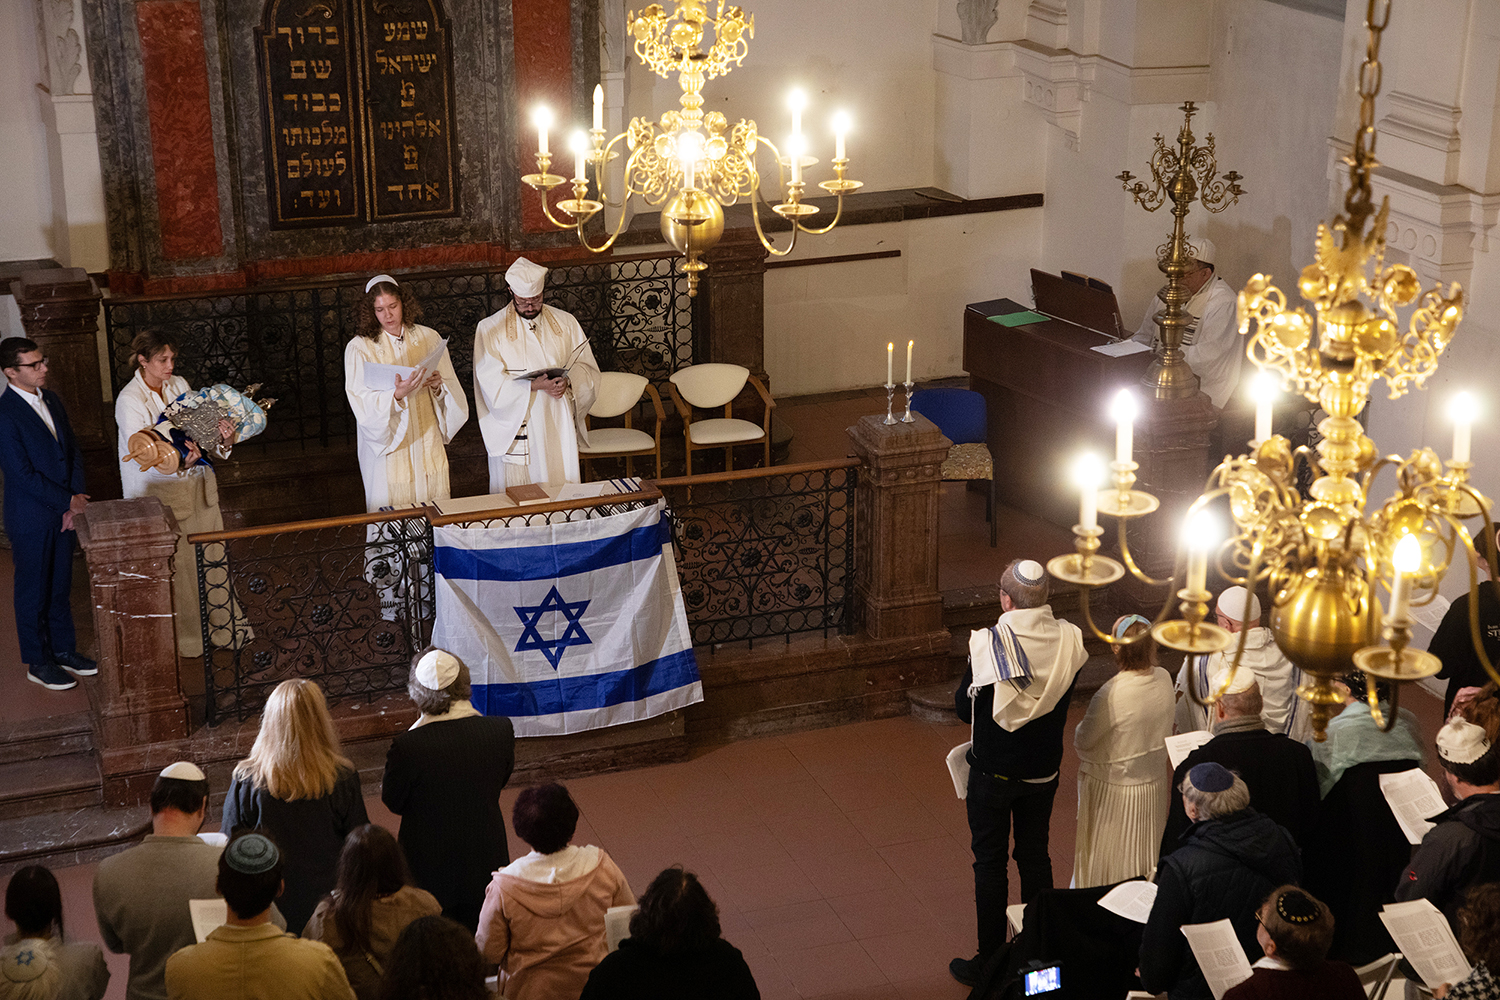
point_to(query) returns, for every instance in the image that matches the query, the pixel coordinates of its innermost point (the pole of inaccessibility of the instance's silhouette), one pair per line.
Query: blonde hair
(296, 753)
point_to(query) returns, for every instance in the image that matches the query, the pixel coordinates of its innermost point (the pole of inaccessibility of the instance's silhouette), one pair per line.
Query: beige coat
(389, 916)
(248, 963)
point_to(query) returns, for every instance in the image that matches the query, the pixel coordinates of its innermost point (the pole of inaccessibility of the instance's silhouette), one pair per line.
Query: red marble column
(542, 36)
(175, 68)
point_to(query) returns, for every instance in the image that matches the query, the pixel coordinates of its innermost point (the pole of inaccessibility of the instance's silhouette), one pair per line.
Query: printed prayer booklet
(1219, 954)
(208, 915)
(617, 924)
(1131, 900)
(1413, 797)
(1422, 934)
(382, 378)
(552, 372)
(1179, 746)
(1121, 348)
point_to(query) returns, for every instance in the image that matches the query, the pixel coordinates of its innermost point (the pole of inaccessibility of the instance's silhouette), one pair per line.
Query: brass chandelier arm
(837, 213)
(1383, 721)
(1239, 650)
(1136, 571)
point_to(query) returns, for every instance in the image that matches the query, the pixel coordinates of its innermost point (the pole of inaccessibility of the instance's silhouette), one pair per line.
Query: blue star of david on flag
(552, 649)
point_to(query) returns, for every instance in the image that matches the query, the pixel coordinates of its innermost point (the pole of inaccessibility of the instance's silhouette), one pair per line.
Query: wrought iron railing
(635, 310)
(766, 552)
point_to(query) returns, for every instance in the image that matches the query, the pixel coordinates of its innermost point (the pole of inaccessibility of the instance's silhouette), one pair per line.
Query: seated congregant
(1295, 932)
(1478, 933)
(435, 959)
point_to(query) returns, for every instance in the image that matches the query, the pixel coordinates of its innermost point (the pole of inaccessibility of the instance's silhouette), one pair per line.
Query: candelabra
(695, 164)
(1324, 557)
(1183, 175)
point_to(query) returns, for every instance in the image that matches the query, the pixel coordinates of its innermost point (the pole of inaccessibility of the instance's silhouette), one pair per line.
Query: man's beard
(533, 313)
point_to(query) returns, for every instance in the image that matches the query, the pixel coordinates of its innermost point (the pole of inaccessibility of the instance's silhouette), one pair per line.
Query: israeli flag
(567, 627)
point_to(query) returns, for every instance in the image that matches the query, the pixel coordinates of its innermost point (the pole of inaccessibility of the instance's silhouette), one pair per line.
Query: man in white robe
(532, 426)
(1211, 341)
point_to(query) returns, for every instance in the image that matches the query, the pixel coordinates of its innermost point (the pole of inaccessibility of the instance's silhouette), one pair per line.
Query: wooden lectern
(1048, 397)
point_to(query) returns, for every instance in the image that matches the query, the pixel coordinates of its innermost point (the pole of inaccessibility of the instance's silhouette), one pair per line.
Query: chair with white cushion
(619, 392)
(708, 387)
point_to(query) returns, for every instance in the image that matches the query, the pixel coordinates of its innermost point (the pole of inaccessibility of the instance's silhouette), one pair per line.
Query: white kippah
(1029, 572)
(526, 278)
(437, 669)
(1461, 742)
(1244, 678)
(183, 770)
(1232, 605)
(1206, 252)
(378, 279)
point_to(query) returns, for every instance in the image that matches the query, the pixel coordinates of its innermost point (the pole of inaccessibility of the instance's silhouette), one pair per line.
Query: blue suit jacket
(41, 472)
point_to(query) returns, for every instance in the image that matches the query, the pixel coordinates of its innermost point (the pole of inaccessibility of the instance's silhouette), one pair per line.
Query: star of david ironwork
(573, 635)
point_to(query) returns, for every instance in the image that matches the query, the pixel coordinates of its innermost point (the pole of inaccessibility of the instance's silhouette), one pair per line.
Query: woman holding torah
(406, 400)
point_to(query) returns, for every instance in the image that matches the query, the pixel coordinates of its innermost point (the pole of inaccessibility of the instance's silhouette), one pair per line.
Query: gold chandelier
(692, 164)
(1324, 557)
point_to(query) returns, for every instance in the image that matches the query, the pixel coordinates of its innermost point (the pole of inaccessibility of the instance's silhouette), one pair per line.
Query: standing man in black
(443, 777)
(43, 468)
(1016, 691)
(1453, 643)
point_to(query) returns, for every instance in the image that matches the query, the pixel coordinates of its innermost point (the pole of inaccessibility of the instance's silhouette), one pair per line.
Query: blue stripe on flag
(589, 691)
(549, 562)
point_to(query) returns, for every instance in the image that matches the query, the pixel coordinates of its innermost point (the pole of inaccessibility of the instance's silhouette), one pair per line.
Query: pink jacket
(548, 936)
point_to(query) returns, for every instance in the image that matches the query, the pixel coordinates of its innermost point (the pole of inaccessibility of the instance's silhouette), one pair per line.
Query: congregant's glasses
(33, 364)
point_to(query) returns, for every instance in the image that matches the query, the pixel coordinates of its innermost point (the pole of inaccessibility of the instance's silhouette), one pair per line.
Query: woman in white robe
(191, 493)
(1124, 776)
(403, 427)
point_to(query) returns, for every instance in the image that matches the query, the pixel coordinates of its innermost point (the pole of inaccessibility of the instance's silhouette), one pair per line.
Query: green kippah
(251, 854)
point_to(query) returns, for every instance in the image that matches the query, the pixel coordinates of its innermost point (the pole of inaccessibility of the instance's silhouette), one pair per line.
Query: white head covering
(1244, 678)
(183, 770)
(1232, 605)
(1207, 252)
(1029, 572)
(378, 279)
(525, 278)
(437, 669)
(1462, 742)
(27, 971)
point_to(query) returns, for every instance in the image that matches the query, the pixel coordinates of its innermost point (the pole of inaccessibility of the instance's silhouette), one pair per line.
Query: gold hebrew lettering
(324, 198)
(415, 190)
(386, 66)
(430, 191)
(330, 35)
(343, 165)
(424, 61)
(301, 37)
(390, 30)
(299, 69)
(308, 165)
(288, 33)
(394, 188)
(408, 95)
(388, 130)
(314, 137)
(335, 103)
(325, 132)
(341, 135)
(320, 34)
(407, 131)
(319, 103)
(409, 157)
(322, 68)
(308, 195)
(293, 170)
(419, 28)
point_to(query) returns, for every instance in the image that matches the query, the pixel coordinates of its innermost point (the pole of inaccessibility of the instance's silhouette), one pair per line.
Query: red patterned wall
(182, 150)
(544, 75)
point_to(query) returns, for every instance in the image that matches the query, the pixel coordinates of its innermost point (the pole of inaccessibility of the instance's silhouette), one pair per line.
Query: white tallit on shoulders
(1053, 654)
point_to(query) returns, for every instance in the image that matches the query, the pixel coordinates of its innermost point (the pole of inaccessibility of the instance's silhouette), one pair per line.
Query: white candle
(797, 101)
(1263, 390)
(1123, 410)
(1198, 535)
(689, 148)
(598, 107)
(542, 119)
(1462, 409)
(794, 154)
(840, 129)
(890, 355)
(909, 345)
(1087, 473)
(579, 142)
(1406, 560)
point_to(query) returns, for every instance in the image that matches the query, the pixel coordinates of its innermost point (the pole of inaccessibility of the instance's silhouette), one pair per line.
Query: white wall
(26, 227)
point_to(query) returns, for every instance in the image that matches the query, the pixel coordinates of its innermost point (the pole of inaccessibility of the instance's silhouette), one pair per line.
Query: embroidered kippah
(1211, 778)
(183, 770)
(1123, 625)
(1461, 742)
(437, 669)
(378, 279)
(1297, 907)
(251, 854)
(1029, 572)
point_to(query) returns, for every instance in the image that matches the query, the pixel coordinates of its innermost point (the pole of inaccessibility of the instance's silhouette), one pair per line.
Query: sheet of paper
(1131, 900)
(381, 378)
(1413, 797)
(1179, 746)
(1121, 348)
(1422, 934)
(583, 491)
(207, 915)
(617, 924)
(1019, 318)
(215, 839)
(1015, 913)
(1219, 955)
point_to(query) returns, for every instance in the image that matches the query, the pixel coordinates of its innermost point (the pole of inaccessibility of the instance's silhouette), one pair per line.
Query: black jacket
(1033, 751)
(638, 972)
(444, 781)
(1453, 643)
(1225, 868)
(1462, 850)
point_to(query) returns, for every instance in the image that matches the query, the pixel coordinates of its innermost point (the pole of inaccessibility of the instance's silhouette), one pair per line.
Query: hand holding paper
(1219, 954)
(1413, 797)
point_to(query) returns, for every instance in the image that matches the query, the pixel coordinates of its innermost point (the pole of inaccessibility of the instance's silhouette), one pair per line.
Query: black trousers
(992, 804)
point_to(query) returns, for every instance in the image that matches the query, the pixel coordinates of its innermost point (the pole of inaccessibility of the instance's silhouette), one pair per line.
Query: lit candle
(1198, 536)
(542, 119)
(890, 355)
(689, 148)
(797, 101)
(598, 107)
(909, 345)
(1263, 391)
(1406, 560)
(1123, 410)
(794, 154)
(1462, 410)
(840, 129)
(579, 144)
(1087, 474)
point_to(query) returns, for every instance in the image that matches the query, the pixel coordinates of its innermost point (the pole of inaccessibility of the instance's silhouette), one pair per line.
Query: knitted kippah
(1029, 572)
(1211, 778)
(1297, 907)
(1461, 742)
(251, 854)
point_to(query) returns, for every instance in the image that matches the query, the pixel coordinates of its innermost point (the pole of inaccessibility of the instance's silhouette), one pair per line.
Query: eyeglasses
(32, 364)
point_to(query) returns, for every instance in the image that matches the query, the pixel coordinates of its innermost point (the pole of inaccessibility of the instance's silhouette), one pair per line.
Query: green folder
(1019, 318)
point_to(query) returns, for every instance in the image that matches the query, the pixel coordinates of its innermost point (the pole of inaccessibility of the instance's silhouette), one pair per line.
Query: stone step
(934, 703)
(49, 785)
(50, 736)
(69, 837)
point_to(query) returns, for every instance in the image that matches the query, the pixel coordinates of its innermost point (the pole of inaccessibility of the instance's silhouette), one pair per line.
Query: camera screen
(1044, 980)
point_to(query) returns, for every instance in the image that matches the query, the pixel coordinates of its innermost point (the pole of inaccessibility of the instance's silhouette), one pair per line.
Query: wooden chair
(619, 392)
(708, 387)
(960, 415)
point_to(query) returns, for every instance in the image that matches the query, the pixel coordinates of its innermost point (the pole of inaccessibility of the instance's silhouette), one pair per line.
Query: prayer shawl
(1031, 659)
(402, 457)
(506, 347)
(1211, 342)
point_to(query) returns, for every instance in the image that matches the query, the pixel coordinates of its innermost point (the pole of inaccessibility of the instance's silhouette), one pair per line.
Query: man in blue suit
(43, 492)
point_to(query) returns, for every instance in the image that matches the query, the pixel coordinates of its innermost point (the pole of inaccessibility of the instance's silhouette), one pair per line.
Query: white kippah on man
(532, 426)
(1211, 341)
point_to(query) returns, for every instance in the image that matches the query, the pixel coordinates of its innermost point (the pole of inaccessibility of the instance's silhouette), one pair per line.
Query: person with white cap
(1278, 769)
(405, 426)
(1015, 693)
(1282, 711)
(532, 426)
(1463, 847)
(141, 894)
(443, 777)
(1212, 342)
